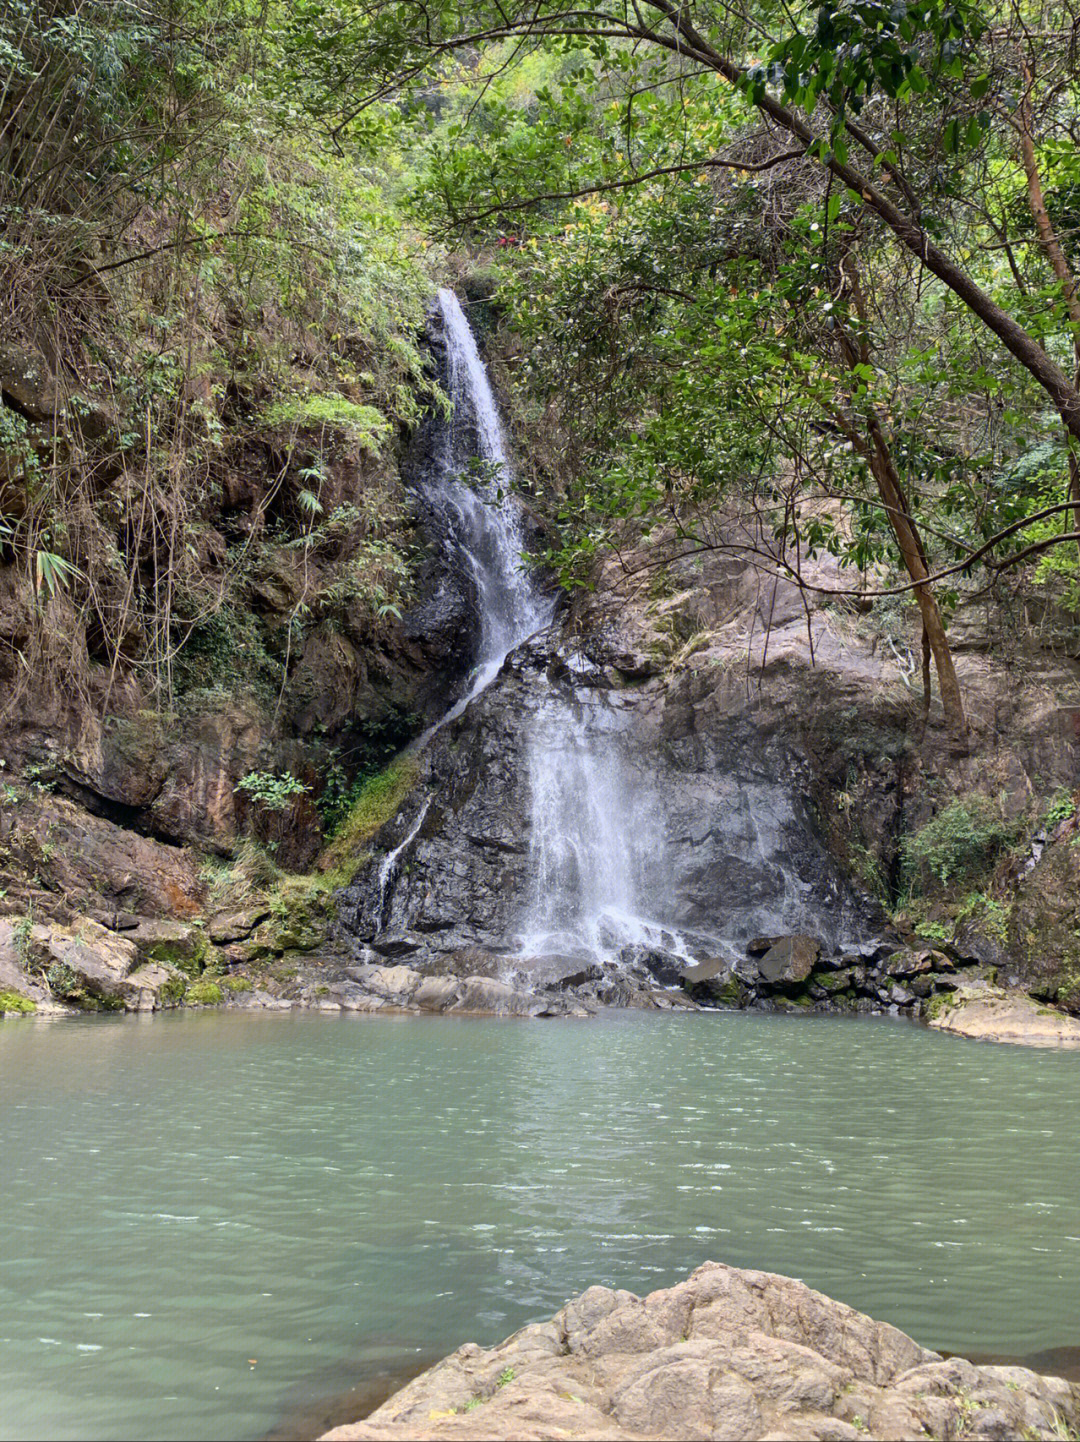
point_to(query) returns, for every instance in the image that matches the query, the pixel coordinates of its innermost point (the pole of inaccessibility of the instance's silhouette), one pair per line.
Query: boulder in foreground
(726, 1354)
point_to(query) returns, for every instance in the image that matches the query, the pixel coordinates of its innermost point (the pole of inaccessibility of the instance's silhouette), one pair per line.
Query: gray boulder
(727, 1353)
(789, 961)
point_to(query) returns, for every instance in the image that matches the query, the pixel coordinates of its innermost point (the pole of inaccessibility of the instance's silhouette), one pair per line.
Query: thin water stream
(210, 1220)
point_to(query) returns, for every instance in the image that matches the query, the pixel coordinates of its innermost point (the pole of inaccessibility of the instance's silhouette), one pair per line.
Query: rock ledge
(726, 1354)
(994, 1013)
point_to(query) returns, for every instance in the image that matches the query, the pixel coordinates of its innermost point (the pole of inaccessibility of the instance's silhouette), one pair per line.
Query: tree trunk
(907, 537)
(855, 351)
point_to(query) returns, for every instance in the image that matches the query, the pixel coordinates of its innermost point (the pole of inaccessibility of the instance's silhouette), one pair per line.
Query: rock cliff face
(741, 854)
(779, 776)
(726, 1354)
(749, 760)
(731, 847)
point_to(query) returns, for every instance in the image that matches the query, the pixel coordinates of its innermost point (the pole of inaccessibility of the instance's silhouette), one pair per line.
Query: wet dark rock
(666, 968)
(789, 961)
(975, 943)
(396, 944)
(559, 972)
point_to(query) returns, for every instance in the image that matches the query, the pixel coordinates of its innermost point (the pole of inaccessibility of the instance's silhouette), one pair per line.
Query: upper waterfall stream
(482, 520)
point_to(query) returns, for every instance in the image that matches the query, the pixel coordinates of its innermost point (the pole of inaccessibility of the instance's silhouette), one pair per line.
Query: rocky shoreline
(727, 1353)
(138, 965)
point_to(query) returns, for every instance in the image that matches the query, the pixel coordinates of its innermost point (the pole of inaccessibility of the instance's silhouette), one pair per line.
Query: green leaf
(52, 573)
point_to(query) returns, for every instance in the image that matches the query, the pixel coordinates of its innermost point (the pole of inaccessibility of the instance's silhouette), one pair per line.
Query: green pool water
(210, 1221)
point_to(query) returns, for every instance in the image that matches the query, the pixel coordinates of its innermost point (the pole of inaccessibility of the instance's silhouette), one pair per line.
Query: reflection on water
(210, 1219)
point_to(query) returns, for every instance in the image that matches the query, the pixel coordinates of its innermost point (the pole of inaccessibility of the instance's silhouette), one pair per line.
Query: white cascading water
(596, 835)
(597, 842)
(484, 530)
(388, 868)
(484, 525)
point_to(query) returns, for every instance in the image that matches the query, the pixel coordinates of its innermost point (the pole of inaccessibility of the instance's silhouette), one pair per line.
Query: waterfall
(482, 521)
(596, 841)
(482, 524)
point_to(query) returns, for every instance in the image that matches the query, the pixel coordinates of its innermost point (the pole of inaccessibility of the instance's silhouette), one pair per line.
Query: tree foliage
(804, 256)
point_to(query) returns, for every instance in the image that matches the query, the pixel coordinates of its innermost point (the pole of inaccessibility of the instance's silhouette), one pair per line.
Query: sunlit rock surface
(994, 1013)
(726, 1354)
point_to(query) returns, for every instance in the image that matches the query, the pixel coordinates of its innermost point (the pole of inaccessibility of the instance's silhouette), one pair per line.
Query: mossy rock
(174, 944)
(938, 1005)
(729, 993)
(835, 981)
(203, 993)
(379, 800)
(300, 937)
(793, 1003)
(13, 1002)
(298, 931)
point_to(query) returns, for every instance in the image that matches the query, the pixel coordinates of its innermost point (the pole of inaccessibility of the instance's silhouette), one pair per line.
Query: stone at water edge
(714, 980)
(993, 1013)
(741, 1355)
(789, 961)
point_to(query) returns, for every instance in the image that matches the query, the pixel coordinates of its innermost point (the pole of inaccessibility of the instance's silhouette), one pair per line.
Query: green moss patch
(939, 1005)
(13, 1001)
(380, 798)
(203, 993)
(185, 953)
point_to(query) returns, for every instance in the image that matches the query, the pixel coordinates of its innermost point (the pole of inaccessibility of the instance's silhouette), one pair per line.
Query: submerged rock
(727, 1353)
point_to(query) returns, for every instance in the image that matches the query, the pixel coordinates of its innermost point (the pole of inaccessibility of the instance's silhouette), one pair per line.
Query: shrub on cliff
(960, 844)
